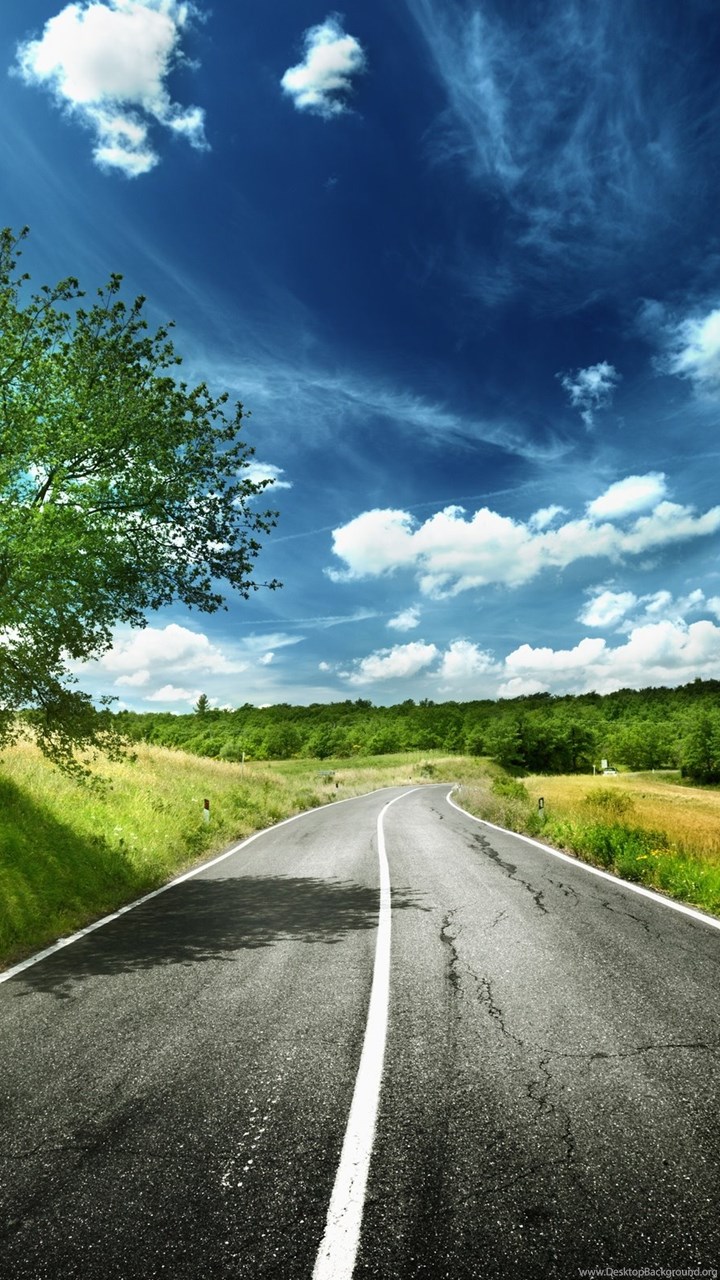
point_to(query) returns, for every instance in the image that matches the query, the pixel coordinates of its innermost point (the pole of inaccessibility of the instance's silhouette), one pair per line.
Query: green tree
(202, 706)
(122, 489)
(701, 748)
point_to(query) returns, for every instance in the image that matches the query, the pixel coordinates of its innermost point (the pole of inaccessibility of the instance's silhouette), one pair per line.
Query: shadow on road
(201, 920)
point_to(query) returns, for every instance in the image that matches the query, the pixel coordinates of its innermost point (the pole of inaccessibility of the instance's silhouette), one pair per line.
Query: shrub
(510, 788)
(609, 802)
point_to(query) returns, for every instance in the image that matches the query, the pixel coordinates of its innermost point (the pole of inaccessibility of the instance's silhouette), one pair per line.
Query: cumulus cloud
(406, 620)
(107, 64)
(450, 553)
(659, 646)
(322, 82)
(464, 660)
(136, 656)
(607, 608)
(655, 653)
(590, 389)
(625, 497)
(401, 661)
(623, 610)
(696, 350)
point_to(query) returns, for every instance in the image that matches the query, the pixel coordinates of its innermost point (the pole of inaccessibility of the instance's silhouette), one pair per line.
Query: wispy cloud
(556, 109)
(450, 553)
(695, 350)
(107, 64)
(323, 81)
(266, 473)
(590, 389)
(329, 401)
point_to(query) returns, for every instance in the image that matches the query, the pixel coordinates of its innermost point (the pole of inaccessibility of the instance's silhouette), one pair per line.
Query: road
(175, 1087)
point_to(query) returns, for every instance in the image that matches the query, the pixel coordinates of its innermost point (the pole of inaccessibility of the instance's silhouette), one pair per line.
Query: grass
(70, 854)
(649, 828)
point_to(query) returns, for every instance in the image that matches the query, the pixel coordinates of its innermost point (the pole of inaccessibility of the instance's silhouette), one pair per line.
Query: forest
(635, 729)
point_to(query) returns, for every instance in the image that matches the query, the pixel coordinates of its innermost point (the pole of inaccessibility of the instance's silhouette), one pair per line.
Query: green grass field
(70, 854)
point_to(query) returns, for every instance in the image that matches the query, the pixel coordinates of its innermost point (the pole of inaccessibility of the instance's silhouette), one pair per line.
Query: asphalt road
(175, 1087)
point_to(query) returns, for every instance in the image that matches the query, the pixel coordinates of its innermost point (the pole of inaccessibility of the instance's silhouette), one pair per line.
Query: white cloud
(546, 516)
(463, 660)
(450, 553)
(267, 659)
(607, 608)
(397, 663)
(406, 620)
(257, 472)
(107, 63)
(655, 653)
(170, 693)
(134, 680)
(696, 350)
(324, 666)
(322, 82)
(591, 389)
(625, 497)
(158, 650)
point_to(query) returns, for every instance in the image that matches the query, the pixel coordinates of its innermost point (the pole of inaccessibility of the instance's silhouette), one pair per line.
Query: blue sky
(462, 263)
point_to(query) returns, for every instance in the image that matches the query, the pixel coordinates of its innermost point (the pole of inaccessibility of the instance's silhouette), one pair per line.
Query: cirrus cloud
(696, 350)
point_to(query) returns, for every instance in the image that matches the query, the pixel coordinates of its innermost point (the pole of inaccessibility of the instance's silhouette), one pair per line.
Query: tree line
(641, 729)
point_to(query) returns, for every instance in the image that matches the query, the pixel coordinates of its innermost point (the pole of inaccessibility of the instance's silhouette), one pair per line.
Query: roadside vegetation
(650, 828)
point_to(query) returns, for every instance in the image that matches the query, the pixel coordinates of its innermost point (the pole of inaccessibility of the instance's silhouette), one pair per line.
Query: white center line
(339, 1245)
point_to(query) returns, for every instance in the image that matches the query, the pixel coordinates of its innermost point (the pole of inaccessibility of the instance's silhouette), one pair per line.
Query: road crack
(537, 895)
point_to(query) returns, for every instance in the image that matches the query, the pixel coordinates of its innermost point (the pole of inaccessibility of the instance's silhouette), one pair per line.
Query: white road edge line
(187, 875)
(339, 1245)
(595, 871)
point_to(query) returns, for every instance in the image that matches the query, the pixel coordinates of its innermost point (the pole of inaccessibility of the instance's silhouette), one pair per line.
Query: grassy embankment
(647, 827)
(70, 854)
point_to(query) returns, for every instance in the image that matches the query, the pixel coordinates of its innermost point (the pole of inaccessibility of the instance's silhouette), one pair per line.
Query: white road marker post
(206, 810)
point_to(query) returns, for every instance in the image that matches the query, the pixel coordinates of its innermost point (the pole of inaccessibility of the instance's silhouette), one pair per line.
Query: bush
(609, 802)
(510, 788)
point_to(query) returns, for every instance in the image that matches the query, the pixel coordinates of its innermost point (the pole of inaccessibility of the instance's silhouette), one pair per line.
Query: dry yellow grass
(688, 816)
